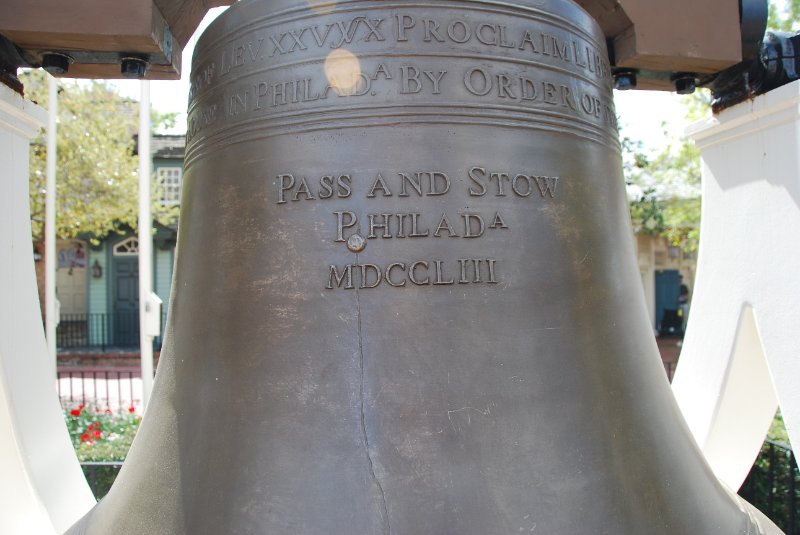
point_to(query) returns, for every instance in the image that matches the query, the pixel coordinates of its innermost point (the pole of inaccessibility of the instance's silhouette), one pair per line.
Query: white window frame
(170, 181)
(127, 247)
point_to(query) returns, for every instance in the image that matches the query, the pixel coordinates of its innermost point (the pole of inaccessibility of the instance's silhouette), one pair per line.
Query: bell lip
(758, 520)
(251, 9)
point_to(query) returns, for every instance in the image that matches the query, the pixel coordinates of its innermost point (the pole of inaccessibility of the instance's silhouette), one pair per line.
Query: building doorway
(125, 282)
(669, 319)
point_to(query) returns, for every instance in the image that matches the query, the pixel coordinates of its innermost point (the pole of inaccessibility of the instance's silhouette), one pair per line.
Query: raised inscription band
(372, 64)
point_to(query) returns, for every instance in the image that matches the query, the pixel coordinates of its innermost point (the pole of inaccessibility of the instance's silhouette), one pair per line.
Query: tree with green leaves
(784, 15)
(665, 186)
(96, 168)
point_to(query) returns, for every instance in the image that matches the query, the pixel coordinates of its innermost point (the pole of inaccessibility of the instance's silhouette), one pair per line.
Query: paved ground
(670, 349)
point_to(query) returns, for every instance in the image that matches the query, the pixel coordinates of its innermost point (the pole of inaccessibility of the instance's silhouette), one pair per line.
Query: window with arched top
(127, 247)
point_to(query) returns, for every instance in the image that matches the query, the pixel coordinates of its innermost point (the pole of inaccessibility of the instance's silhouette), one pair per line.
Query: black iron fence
(773, 486)
(117, 330)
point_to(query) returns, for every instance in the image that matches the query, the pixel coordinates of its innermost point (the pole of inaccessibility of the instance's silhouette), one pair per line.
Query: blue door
(668, 288)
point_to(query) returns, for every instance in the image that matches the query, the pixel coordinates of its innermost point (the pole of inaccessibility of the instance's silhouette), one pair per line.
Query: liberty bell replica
(406, 300)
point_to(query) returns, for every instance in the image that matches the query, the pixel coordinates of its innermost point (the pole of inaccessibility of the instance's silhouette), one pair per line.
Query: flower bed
(101, 439)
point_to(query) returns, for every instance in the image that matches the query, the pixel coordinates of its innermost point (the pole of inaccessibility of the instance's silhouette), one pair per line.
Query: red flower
(81, 406)
(75, 412)
(108, 411)
(97, 409)
(90, 427)
(86, 438)
(97, 434)
(131, 409)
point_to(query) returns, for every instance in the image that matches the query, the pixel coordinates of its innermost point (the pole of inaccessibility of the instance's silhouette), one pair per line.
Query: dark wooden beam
(97, 34)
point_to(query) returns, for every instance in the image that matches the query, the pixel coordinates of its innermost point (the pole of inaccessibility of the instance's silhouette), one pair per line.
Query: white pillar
(145, 244)
(52, 312)
(42, 488)
(741, 346)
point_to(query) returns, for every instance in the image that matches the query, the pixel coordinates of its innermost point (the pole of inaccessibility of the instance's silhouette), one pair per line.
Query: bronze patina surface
(406, 300)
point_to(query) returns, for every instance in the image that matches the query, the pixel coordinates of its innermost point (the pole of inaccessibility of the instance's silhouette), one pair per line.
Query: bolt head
(624, 81)
(55, 64)
(685, 85)
(356, 243)
(133, 68)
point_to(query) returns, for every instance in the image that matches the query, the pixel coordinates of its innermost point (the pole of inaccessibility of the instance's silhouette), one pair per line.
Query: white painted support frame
(741, 353)
(42, 488)
(52, 309)
(147, 306)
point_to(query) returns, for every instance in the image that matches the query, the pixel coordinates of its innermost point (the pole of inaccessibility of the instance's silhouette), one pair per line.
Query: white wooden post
(42, 488)
(52, 312)
(147, 306)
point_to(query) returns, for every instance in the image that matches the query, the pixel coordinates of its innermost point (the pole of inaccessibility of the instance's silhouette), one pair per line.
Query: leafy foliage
(101, 435)
(784, 15)
(665, 186)
(96, 168)
(162, 120)
(777, 431)
(647, 214)
(773, 484)
(775, 477)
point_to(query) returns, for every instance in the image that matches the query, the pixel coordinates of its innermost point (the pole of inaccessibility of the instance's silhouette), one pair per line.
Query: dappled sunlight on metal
(343, 71)
(322, 7)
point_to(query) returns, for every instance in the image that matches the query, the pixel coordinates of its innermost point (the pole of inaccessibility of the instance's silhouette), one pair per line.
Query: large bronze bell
(405, 299)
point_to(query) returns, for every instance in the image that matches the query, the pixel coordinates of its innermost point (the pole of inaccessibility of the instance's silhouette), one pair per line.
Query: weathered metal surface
(406, 300)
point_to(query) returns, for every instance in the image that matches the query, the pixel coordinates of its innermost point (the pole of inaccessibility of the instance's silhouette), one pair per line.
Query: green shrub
(101, 436)
(773, 484)
(777, 431)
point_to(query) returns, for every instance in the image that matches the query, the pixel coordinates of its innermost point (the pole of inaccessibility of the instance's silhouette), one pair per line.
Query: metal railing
(117, 330)
(773, 486)
(113, 389)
